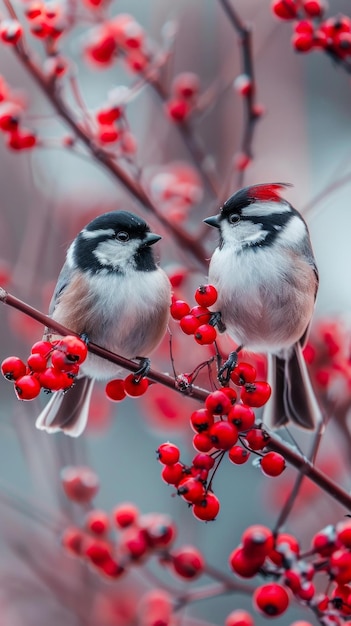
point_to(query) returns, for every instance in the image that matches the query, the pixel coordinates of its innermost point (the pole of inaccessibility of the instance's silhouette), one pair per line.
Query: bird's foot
(226, 369)
(84, 337)
(145, 366)
(216, 320)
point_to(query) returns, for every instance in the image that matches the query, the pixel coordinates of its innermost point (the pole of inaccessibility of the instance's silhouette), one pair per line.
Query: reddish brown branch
(292, 456)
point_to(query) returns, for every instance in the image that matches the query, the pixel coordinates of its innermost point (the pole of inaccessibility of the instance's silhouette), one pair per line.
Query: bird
(266, 277)
(110, 291)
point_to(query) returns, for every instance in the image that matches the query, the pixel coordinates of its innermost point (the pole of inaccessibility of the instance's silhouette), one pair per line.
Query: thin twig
(247, 64)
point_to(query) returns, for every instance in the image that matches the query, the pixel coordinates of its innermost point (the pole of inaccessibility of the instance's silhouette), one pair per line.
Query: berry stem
(245, 40)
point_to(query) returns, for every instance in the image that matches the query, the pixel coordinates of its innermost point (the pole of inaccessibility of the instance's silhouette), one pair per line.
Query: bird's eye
(122, 236)
(234, 218)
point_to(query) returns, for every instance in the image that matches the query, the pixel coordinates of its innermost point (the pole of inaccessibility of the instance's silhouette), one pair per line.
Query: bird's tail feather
(293, 399)
(68, 412)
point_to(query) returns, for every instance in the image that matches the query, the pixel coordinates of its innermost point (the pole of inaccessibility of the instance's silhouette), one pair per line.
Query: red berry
(238, 455)
(96, 550)
(189, 324)
(125, 515)
(218, 403)
(256, 394)
(285, 9)
(80, 483)
(42, 347)
(223, 435)
(201, 420)
(343, 533)
(243, 85)
(205, 334)
(208, 509)
(52, 379)
(37, 362)
(97, 522)
(173, 474)
(186, 85)
(284, 546)
(340, 566)
(257, 541)
(107, 134)
(243, 373)
(230, 393)
(201, 313)
(168, 453)
(188, 562)
(179, 309)
(313, 8)
(74, 348)
(206, 295)
(241, 161)
(135, 543)
(239, 618)
(135, 387)
(115, 390)
(203, 461)
(257, 439)
(191, 489)
(242, 416)
(102, 48)
(273, 464)
(178, 110)
(302, 42)
(244, 565)
(21, 139)
(271, 599)
(324, 542)
(72, 540)
(160, 529)
(13, 368)
(202, 442)
(109, 115)
(9, 116)
(61, 363)
(27, 387)
(111, 568)
(10, 31)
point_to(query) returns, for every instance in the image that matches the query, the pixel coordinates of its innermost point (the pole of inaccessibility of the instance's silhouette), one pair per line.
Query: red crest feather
(269, 191)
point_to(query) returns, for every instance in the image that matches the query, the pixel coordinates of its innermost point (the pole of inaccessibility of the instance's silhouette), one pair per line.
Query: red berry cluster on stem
(50, 366)
(313, 31)
(196, 321)
(113, 542)
(11, 113)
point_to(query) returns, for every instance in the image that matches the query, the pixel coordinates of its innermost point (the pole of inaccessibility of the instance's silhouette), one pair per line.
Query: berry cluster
(312, 31)
(132, 386)
(328, 356)
(113, 543)
(11, 111)
(218, 427)
(122, 36)
(184, 96)
(278, 556)
(112, 126)
(50, 366)
(198, 320)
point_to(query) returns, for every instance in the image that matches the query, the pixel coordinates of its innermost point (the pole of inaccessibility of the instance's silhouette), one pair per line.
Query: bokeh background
(49, 193)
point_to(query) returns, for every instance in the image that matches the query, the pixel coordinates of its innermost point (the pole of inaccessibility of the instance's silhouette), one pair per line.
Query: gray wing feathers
(62, 282)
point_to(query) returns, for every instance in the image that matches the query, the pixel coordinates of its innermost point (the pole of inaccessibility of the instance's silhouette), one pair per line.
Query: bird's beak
(150, 239)
(213, 220)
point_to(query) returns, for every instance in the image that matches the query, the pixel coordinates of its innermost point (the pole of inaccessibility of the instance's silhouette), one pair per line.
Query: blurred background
(50, 192)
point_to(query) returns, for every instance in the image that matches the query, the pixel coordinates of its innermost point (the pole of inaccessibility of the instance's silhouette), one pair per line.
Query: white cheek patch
(245, 232)
(294, 232)
(258, 209)
(70, 255)
(113, 253)
(91, 234)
